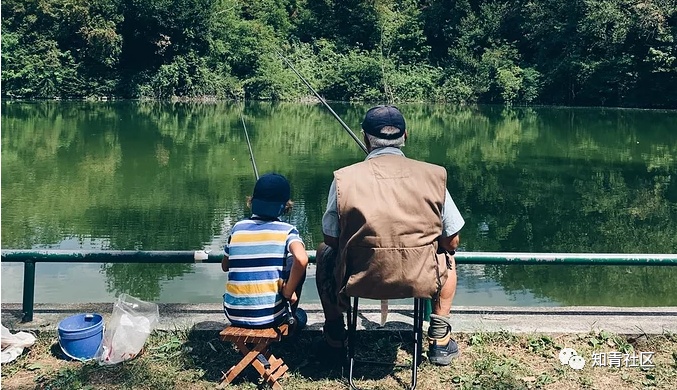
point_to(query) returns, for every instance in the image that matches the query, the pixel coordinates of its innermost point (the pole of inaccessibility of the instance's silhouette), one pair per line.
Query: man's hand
(450, 243)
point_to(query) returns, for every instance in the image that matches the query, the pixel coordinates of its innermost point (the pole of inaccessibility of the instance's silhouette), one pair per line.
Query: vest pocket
(394, 273)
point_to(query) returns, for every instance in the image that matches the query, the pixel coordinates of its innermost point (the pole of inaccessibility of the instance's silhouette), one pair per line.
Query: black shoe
(442, 354)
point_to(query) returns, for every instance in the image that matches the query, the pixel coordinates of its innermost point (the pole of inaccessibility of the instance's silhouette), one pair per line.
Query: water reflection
(160, 176)
(141, 280)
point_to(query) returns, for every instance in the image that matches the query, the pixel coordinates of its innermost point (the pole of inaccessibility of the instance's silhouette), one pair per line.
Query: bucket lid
(80, 323)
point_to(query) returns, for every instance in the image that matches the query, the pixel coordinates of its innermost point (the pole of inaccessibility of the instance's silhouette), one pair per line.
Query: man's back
(381, 258)
(390, 215)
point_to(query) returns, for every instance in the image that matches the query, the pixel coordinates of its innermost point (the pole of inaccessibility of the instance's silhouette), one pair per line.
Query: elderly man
(390, 231)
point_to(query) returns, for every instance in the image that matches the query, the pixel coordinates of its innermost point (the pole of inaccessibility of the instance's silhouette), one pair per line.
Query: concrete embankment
(467, 319)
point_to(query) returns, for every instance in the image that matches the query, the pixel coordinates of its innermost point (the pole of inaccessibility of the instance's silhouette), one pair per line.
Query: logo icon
(569, 356)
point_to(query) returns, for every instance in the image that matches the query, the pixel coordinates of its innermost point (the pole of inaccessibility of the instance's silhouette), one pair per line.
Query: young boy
(265, 259)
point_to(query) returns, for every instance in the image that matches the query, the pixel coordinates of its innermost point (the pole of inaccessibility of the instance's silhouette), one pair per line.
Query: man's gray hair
(376, 142)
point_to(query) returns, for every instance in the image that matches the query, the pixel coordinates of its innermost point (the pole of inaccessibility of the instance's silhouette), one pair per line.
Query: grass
(195, 360)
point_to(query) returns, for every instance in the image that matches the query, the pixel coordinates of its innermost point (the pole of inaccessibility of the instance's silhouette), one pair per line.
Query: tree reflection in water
(174, 176)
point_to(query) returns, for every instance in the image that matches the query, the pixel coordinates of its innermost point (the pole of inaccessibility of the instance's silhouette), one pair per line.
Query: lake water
(162, 176)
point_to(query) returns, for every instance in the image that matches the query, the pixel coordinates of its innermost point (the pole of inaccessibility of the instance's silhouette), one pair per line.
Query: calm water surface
(161, 176)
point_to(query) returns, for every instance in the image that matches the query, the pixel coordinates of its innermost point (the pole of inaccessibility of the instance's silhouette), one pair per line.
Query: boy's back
(258, 251)
(265, 259)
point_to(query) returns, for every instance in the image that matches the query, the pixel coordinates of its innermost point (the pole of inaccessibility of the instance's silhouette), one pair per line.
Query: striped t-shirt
(257, 254)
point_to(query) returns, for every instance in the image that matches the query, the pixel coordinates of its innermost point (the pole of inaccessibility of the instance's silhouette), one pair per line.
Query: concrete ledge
(467, 319)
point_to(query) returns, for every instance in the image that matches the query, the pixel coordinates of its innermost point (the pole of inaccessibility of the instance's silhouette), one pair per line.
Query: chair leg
(269, 367)
(418, 340)
(419, 329)
(248, 357)
(352, 334)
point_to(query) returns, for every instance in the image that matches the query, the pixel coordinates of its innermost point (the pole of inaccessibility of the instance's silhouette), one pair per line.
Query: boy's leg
(299, 314)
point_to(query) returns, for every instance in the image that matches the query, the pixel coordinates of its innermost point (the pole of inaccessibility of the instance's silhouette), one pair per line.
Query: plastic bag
(13, 344)
(130, 325)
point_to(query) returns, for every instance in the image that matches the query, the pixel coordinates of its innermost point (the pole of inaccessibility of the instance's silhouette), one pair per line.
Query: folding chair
(253, 344)
(418, 340)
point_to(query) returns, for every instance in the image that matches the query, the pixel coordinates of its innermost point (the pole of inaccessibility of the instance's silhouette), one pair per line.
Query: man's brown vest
(390, 211)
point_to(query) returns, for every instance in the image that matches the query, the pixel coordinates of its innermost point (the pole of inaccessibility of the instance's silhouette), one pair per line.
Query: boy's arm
(297, 269)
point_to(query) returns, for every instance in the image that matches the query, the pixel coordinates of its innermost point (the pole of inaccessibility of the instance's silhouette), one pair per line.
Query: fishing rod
(290, 316)
(384, 302)
(338, 118)
(249, 145)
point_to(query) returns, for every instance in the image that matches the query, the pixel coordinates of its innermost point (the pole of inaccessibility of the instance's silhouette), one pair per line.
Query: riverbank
(509, 348)
(466, 319)
(189, 359)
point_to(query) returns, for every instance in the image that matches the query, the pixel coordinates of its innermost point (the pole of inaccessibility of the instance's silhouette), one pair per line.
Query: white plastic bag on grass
(130, 325)
(13, 344)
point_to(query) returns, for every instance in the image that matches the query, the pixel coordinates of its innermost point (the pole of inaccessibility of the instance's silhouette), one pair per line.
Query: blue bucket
(80, 335)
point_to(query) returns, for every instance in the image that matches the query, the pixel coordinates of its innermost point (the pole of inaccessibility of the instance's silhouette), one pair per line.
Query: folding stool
(253, 345)
(418, 339)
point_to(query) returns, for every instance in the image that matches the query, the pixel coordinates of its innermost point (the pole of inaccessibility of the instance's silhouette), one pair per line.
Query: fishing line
(338, 118)
(384, 302)
(249, 144)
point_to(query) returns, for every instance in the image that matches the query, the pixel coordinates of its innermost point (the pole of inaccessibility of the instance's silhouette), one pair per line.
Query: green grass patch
(183, 359)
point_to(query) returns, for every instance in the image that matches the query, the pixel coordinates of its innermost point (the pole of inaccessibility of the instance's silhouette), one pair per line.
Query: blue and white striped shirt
(257, 255)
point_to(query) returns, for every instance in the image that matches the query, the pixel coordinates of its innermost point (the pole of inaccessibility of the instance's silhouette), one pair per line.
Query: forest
(620, 53)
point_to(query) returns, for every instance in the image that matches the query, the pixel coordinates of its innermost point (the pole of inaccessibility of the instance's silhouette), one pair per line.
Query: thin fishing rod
(384, 302)
(290, 316)
(249, 145)
(361, 145)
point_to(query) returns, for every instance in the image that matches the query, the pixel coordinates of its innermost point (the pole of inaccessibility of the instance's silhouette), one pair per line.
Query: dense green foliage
(579, 52)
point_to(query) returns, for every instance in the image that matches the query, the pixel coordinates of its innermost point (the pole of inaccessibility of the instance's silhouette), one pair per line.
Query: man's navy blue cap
(381, 116)
(271, 193)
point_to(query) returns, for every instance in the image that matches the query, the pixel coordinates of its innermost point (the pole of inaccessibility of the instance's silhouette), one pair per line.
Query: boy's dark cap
(271, 193)
(381, 116)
